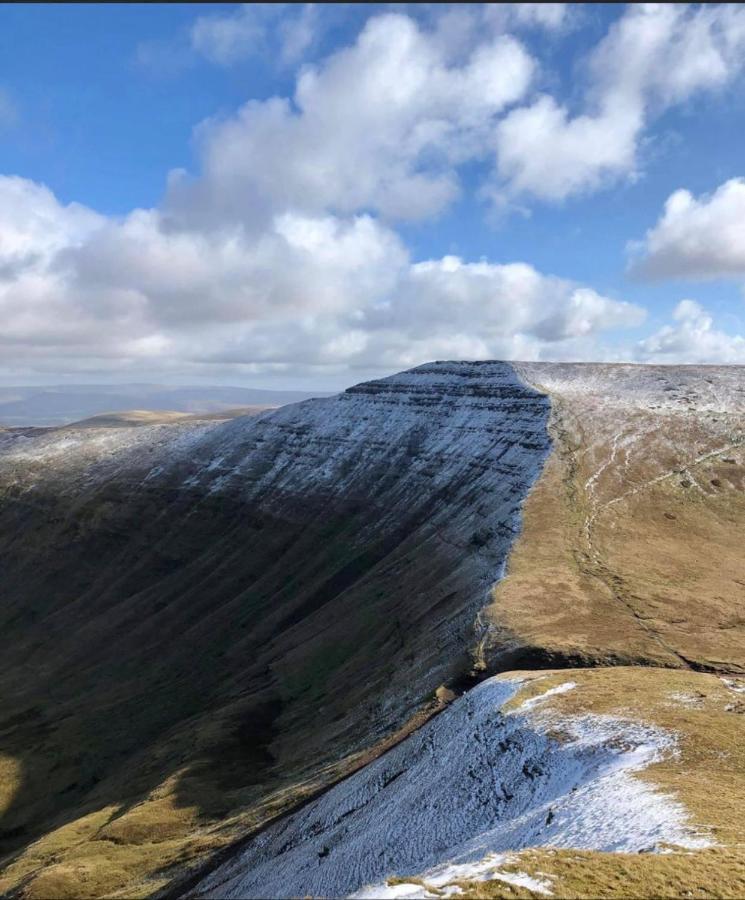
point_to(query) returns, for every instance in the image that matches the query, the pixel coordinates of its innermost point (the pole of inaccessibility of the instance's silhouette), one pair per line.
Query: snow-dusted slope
(474, 782)
(414, 481)
(438, 423)
(203, 623)
(701, 389)
(256, 602)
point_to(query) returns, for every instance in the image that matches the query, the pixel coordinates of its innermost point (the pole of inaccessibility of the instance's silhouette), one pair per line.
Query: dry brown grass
(631, 553)
(587, 875)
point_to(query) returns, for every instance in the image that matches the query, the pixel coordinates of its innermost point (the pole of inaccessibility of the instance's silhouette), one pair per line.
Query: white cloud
(654, 56)
(34, 225)
(381, 125)
(551, 16)
(692, 339)
(225, 39)
(305, 293)
(280, 256)
(545, 152)
(498, 301)
(251, 29)
(697, 238)
(299, 32)
(406, 152)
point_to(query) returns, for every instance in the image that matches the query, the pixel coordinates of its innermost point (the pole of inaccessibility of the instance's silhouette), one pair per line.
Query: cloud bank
(303, 292)
(282, 254)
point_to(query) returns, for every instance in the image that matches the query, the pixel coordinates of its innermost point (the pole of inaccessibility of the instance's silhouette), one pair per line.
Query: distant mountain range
(53, 405)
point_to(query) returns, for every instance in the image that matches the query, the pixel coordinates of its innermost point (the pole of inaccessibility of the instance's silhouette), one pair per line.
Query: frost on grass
(441, 881)
(472, 784)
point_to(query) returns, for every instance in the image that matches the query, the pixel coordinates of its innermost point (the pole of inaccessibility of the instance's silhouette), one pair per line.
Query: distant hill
(50, 405)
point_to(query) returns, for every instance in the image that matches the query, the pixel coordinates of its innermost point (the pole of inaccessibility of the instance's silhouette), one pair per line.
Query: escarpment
(205, 618)
(204, 623)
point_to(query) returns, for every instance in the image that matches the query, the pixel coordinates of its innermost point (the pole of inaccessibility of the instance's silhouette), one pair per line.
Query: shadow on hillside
(173, 635)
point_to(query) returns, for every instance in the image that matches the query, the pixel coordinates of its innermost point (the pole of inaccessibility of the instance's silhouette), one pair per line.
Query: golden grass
(631, 553)
(715, 873)
(10, 775)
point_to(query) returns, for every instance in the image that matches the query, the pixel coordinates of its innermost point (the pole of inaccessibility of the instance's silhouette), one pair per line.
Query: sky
(311, 195)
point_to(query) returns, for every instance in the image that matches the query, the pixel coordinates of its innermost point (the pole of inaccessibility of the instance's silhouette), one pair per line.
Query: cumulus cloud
(692, 339)
(408, 105)
(545, 152)
(696, 238)
(34, 226)
(280, 254)
(306, 292)
(381, 125)
(654, 56)
(498, 301)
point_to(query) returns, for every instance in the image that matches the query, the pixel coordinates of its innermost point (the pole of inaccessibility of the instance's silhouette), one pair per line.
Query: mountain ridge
(324, 556)
(251, 607)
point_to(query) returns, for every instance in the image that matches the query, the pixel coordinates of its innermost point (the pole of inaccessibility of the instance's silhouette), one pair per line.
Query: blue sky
(304, 194)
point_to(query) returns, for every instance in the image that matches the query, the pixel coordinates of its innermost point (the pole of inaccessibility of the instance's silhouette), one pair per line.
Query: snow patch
(737, 686)
(470, 785)
(682, 698)
(541, 698)
(442, 878)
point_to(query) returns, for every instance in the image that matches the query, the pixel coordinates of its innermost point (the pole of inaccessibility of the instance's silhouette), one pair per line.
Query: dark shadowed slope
(202, 618)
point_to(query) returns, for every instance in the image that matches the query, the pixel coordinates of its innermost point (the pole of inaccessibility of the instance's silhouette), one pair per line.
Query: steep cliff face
(239, 609)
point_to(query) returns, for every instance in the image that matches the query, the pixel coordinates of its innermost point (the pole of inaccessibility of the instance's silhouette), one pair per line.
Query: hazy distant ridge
(49, 405)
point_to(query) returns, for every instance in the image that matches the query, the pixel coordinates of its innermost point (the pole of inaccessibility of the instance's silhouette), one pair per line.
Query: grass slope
(631, 545)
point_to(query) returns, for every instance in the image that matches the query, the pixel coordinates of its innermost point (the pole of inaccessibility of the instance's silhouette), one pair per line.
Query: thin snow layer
(694, 389)
(451, 427)
(437, 460)
(736, 685)
(78, 457)
(439, 881)
(472, 783)
(441, 423)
